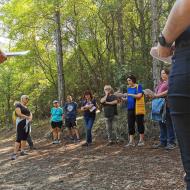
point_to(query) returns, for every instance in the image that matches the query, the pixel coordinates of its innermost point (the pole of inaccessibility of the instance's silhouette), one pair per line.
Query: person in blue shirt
(134, 92)
(56, 121)
(89, 109)
(70, 110)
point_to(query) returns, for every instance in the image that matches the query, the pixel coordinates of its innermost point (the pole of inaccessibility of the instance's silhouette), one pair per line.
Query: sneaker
(71, 139)
(86, 144)
(77, 141)
(140, 143)
(110, 143)
(55, 142)
(23, 153)
(157, 146)
(58, 141)
(170, 146)
(32, 148)
(132, 144)
(13, 156)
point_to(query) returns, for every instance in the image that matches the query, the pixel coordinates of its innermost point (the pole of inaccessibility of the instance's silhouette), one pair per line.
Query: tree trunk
(59, 52)
(156, 67)
(121, 53)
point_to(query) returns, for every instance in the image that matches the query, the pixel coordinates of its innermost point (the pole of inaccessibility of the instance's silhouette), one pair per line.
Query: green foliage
(93, 33)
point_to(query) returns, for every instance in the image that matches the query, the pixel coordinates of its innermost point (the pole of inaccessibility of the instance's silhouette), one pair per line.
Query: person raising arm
(180, 13)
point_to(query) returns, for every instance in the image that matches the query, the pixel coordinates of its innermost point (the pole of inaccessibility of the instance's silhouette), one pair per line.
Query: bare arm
(103, 99)
(137, 96)
(178, 20)
(112, 102)
(162, 94)
(19, 114)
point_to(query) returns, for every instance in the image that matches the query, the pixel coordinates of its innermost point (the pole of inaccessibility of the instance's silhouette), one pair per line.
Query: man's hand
(164, 51)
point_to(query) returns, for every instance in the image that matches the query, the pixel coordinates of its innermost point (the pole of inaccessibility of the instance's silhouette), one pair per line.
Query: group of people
(68, 112)
(173, 40)
(133, 100)
(134, 104)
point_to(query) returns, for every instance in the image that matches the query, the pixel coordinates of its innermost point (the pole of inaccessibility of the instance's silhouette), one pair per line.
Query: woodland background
(76, 45)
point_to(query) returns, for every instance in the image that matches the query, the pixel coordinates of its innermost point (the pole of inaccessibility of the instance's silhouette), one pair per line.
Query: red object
(3, 57)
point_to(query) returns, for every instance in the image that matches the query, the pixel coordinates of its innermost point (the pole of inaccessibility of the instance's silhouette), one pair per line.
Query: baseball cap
(55, 101)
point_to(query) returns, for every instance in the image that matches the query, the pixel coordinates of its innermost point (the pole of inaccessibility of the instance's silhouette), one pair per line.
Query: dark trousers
(112, 128)
(89, 121)
(179, 102)
(132, 118)
(29, 140)
(167, 133)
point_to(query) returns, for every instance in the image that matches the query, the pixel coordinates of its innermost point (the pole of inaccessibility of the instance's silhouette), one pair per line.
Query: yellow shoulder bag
(140, 105)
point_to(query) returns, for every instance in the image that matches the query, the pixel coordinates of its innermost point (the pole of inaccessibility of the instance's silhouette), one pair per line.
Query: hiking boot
(130, 144)
(170, 146)
(23, 153)
(140, 143)
(157, 146)
(13, 156)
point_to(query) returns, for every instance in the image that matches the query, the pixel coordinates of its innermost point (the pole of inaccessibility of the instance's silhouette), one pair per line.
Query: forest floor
(99, 167)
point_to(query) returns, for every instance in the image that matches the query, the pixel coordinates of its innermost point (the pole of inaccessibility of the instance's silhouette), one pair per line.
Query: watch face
(162, 41)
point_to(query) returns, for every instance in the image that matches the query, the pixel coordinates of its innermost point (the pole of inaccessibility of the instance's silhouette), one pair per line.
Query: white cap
(55, 101)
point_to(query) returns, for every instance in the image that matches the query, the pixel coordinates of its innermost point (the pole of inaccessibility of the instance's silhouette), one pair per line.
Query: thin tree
(59, 53)
(155, 32)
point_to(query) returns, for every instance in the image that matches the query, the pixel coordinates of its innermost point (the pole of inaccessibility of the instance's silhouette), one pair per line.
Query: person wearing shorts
(70, 110)
(56, 121)
(23, 120)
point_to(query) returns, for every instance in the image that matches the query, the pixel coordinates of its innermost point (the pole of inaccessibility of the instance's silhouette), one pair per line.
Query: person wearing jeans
(167, 133)
(177, 29)
(89, 109)
(89, 121)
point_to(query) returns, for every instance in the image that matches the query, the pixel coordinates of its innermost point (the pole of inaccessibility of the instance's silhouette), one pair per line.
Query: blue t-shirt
(131, 100)
(70, 110)
(56, 114)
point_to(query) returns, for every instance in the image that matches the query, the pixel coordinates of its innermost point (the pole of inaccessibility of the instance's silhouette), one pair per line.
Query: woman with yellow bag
(136, 110)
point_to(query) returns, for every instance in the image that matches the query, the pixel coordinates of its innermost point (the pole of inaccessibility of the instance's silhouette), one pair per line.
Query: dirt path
(71, 167)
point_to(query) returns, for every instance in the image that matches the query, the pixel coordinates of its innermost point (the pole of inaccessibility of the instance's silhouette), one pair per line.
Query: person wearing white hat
(56, 121)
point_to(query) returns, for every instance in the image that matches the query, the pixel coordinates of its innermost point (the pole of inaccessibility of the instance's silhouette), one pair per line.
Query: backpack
(158, 109)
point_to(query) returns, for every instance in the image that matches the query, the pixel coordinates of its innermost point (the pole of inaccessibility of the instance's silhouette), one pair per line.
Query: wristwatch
(162, 41)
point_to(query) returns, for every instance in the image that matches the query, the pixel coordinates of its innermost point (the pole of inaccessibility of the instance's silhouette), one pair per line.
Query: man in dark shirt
(109, 101)
(177, 29)
(70, 111)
